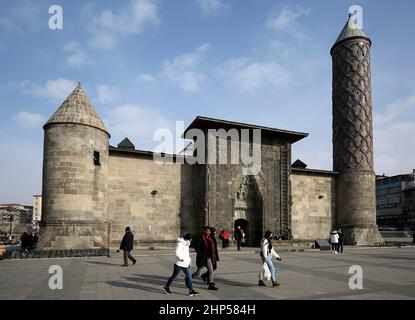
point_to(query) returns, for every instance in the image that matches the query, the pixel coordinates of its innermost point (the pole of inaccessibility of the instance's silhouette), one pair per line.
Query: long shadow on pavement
(133, 286)
(159, 281)
(104, 263)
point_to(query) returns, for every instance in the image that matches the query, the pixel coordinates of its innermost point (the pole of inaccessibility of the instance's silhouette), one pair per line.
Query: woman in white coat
(182, 262)
(266, 253)
(334, 240)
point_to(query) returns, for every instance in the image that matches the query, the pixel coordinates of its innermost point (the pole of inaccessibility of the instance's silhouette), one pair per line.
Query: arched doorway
(248, 210)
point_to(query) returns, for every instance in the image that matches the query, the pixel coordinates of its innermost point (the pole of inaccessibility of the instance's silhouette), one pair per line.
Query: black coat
(238, 234)
(204, 252)
(341, 238)
(127, 242)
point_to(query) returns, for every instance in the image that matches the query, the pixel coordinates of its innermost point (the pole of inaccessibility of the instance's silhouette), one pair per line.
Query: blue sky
(146, 64)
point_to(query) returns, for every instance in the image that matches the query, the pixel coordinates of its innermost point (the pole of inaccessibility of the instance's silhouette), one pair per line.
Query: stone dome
(77, 109)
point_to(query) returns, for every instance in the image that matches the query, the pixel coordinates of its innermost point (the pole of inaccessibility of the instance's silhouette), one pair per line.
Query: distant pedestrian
(239, 236)
(182, 262)
(334, 240)
(25, 241)
(206, 256)
(266, 253)
(224, 236)
(33, 241)
(127, 244)
(341, 241)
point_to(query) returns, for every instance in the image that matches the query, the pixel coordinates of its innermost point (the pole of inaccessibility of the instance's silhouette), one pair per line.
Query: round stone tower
(353, 137)
(75, 165)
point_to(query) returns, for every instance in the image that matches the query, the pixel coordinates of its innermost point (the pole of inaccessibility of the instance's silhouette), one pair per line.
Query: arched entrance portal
(248, 210)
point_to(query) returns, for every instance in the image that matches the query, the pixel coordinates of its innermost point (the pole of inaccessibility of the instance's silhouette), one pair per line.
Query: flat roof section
(201, 122)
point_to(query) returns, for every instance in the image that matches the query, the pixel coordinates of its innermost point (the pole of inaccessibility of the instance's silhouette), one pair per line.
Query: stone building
(15, 219)
(92, 190)
(37, 207)
(395, 201)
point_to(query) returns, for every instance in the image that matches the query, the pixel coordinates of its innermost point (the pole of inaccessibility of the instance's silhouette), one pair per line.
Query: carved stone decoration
(352, 106)
(242, 192)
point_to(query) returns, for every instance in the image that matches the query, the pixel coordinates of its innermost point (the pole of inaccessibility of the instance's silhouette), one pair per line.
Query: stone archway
(247, 210)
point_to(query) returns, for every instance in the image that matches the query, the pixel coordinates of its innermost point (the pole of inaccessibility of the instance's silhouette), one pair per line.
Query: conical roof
(126, 144)
(350, 30)
(77, 109)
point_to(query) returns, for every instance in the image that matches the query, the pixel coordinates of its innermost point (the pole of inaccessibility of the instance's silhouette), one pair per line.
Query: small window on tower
(97, 161)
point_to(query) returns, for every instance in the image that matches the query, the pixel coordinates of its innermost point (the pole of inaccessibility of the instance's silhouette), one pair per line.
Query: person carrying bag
(266, 253)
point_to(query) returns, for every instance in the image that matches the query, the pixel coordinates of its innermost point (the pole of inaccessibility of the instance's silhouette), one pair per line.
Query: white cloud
(183, 69)
(210, 7)
(107, 93)
(15, 84)
(395, 110)
(393, 137)
(146, 78)
(26, 119)
(77, 56)
(107, 26)
(286, 17)
(138, 124)
(394, 148)
(250, 76)
(58, 89)
(21, 167)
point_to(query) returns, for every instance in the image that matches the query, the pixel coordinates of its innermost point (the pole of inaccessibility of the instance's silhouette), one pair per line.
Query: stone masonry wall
(313, 205)
(152, 218)
(74, 188)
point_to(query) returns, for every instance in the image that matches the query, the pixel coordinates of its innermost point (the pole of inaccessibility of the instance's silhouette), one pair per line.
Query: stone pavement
(388, 273)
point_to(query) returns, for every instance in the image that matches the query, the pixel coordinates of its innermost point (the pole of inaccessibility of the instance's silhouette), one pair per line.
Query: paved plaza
(388, 273)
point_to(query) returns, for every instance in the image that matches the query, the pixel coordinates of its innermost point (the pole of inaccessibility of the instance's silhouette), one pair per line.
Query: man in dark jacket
(239, 235)
(206, 256)
(341, 241)
(127, 245)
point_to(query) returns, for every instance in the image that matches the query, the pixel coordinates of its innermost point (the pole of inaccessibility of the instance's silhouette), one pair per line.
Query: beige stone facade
(313, 207)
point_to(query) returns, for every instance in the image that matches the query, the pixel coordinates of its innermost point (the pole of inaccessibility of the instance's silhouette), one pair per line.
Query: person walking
(341, 241)
(182, 262)
(25, 241)
(334, 240)
(239, 235)
(224, 236)
(266, 253)
(127, 244)
(206, 256)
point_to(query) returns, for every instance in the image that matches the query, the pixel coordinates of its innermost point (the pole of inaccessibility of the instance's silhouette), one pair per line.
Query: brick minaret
(353, 136)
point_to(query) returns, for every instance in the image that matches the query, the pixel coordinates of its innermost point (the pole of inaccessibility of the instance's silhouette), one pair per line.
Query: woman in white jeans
(266, 253)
